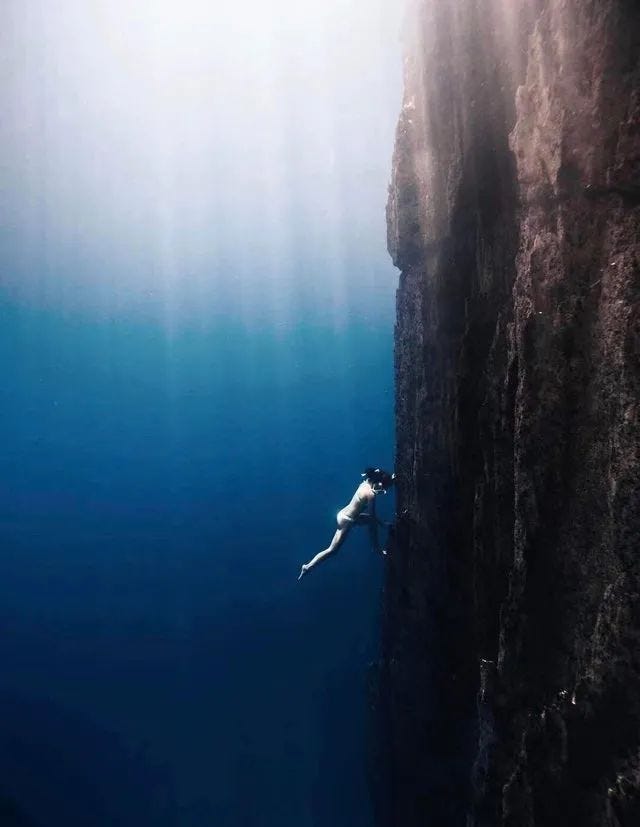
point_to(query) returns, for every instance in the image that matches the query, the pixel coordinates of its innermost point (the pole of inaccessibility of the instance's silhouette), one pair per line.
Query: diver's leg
(373, 522)
(337, 540)
(366, 519)
(373, 536)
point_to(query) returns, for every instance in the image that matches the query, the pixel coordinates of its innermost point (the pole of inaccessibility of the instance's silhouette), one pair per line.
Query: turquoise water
(196, 337)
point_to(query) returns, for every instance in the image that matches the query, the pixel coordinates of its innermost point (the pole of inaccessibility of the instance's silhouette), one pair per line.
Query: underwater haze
(196, 338)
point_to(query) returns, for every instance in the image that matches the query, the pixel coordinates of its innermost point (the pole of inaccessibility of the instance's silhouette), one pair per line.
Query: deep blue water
(196, 324)
(161, 665)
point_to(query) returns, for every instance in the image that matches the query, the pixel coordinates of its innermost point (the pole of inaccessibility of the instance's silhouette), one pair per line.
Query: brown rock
(514, 216)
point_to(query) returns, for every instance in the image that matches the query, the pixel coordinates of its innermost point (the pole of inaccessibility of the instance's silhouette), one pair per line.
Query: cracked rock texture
(511, 668)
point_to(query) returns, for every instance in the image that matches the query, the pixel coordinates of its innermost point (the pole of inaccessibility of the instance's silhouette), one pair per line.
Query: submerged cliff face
(512, 635)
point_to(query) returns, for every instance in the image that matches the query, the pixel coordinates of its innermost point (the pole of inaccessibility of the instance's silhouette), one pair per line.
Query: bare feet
(303, 571)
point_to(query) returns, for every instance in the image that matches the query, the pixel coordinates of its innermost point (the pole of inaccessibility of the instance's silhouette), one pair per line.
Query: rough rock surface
(511, 668)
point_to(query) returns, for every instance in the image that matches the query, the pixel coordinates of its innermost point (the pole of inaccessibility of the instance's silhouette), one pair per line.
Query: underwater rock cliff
(511, 666)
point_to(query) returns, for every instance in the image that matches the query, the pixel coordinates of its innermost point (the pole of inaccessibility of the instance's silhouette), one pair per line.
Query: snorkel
(378, 479)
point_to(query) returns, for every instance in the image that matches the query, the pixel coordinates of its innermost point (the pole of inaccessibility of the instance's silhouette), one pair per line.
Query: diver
(376, 481)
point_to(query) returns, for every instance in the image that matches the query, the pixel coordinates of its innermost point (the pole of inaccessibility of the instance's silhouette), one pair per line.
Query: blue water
(161, 664)
(196, 338)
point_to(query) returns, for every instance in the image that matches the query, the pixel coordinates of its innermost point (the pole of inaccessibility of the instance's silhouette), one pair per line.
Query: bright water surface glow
(196, 322)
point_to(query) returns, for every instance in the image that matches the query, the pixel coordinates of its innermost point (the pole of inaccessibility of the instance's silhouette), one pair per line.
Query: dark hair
(379, 476)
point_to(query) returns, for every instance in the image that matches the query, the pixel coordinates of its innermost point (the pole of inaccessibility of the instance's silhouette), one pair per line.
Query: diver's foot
(303, 571)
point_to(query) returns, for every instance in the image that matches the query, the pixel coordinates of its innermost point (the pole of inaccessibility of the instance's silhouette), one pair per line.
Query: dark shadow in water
(12, 816)
(56, 768)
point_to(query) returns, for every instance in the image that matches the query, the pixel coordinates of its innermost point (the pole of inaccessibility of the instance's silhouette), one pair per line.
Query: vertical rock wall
(512, 636)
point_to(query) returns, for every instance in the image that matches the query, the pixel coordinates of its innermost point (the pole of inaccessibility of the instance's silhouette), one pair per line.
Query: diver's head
(378, 479)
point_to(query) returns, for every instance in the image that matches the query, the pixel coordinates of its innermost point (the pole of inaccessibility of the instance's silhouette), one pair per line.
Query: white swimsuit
(343, 519)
